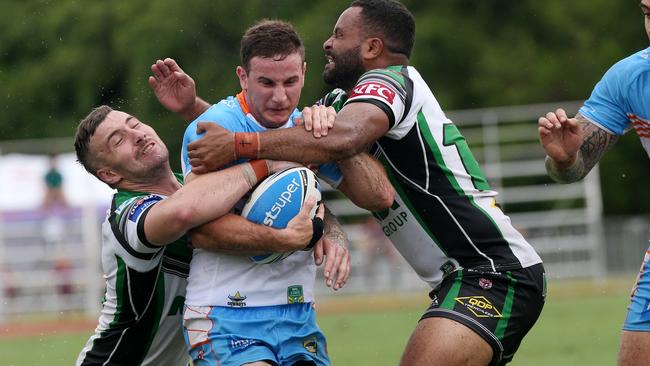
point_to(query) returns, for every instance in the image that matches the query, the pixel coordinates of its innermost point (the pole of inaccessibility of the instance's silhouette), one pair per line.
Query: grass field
(580, 325)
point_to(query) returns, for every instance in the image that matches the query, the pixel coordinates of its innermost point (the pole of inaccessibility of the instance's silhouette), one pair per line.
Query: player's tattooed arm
(334, 247)
(596, 142)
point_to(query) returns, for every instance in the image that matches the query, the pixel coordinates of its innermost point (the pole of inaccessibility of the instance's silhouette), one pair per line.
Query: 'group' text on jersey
(444, 214)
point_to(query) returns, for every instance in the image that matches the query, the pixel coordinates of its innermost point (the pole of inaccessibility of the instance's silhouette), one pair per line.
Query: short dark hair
(392, 20)
(85, 130)
(270, 38)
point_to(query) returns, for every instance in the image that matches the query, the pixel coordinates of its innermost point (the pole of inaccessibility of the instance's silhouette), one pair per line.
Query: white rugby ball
(277, 200)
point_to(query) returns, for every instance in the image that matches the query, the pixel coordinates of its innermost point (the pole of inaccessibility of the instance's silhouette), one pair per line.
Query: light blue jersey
(226, 292)
(620, 100)
(229, 114)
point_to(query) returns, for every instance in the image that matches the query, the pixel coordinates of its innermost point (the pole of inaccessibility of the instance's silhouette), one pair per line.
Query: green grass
(580, 325)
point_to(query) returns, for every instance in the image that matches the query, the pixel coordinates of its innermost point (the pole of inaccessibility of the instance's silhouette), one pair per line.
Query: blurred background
(494, 66)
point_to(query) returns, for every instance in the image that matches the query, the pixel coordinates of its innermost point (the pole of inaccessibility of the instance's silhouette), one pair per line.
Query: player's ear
(372, 48)
(243, 77)
(108, 176)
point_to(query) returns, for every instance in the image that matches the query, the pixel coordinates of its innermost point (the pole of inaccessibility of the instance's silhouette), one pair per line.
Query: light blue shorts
(281, 335)
(638, 313)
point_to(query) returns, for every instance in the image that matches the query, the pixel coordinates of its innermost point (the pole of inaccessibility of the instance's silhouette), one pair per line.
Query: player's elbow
(345, 145)
(198, 239)
(386, 199)
(383, 200)
(185, 217)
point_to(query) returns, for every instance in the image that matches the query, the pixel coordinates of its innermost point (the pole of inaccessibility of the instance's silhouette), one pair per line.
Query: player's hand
(334, 247)
(174, 89)
(215, 149)
(560, 136)
(318, 119)
(300, 230)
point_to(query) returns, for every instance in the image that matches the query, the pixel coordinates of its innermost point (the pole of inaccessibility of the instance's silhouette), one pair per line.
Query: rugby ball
(277, 200)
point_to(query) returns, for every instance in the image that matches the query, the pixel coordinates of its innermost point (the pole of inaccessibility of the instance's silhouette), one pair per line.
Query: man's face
(127, 147)
(273, 87)
(645, 8)
(343, 51)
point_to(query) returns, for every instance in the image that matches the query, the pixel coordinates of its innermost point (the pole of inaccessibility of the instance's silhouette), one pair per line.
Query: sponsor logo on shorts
(311, 345)
(485, 283)
(373, 90)
(295, 295)
(237, 300)
(479, 306)
(240, 344)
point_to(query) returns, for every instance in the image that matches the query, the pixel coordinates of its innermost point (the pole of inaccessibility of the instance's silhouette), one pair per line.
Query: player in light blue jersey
(620, 102)
(227, 316)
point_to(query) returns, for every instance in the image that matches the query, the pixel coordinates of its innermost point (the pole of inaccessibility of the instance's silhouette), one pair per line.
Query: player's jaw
(344, 68)
(276, 116)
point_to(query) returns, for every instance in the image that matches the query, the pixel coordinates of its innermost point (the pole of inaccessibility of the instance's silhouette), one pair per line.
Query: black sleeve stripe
(140, 229)
(122, 240)
(383, 106)
(408, 86)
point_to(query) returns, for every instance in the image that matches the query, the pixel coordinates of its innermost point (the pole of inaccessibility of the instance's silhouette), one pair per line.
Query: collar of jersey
(241, 98)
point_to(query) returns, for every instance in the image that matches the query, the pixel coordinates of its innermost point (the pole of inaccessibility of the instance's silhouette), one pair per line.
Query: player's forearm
(233, 234)
(566, 173)
(204, 199)
(195, 110)
(296, 144)
(596, 142)
(333, 228)
(365, 183)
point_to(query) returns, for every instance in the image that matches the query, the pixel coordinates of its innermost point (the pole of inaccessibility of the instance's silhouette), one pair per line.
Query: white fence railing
(50, 262)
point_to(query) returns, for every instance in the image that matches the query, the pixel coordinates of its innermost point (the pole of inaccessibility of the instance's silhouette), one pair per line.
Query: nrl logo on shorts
(485, 283)
(479, 306)
(237, 300)
(295, 295)
(311, 345)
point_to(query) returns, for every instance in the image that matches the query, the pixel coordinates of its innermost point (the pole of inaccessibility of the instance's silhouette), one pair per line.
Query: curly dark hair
(391, 20)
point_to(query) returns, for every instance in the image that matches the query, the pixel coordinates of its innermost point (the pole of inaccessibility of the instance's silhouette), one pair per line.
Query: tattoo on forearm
(595, 143)
(333, 228)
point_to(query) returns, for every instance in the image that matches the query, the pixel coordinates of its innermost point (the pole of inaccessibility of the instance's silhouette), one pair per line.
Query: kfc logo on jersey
(374, 90)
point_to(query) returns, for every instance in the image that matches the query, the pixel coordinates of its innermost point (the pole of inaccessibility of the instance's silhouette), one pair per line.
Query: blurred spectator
(54, 196)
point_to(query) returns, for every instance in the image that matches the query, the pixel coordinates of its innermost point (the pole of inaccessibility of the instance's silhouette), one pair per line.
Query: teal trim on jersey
(123, 195)
(428, 137)
(506, 312)
(158, 313)
(394, 72)
(451, 136)
(120, 288)
(400, 191)
(450, 300)
(433, 146)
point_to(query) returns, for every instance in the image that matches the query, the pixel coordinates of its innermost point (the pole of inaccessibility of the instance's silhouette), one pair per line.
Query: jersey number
(453, 137)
